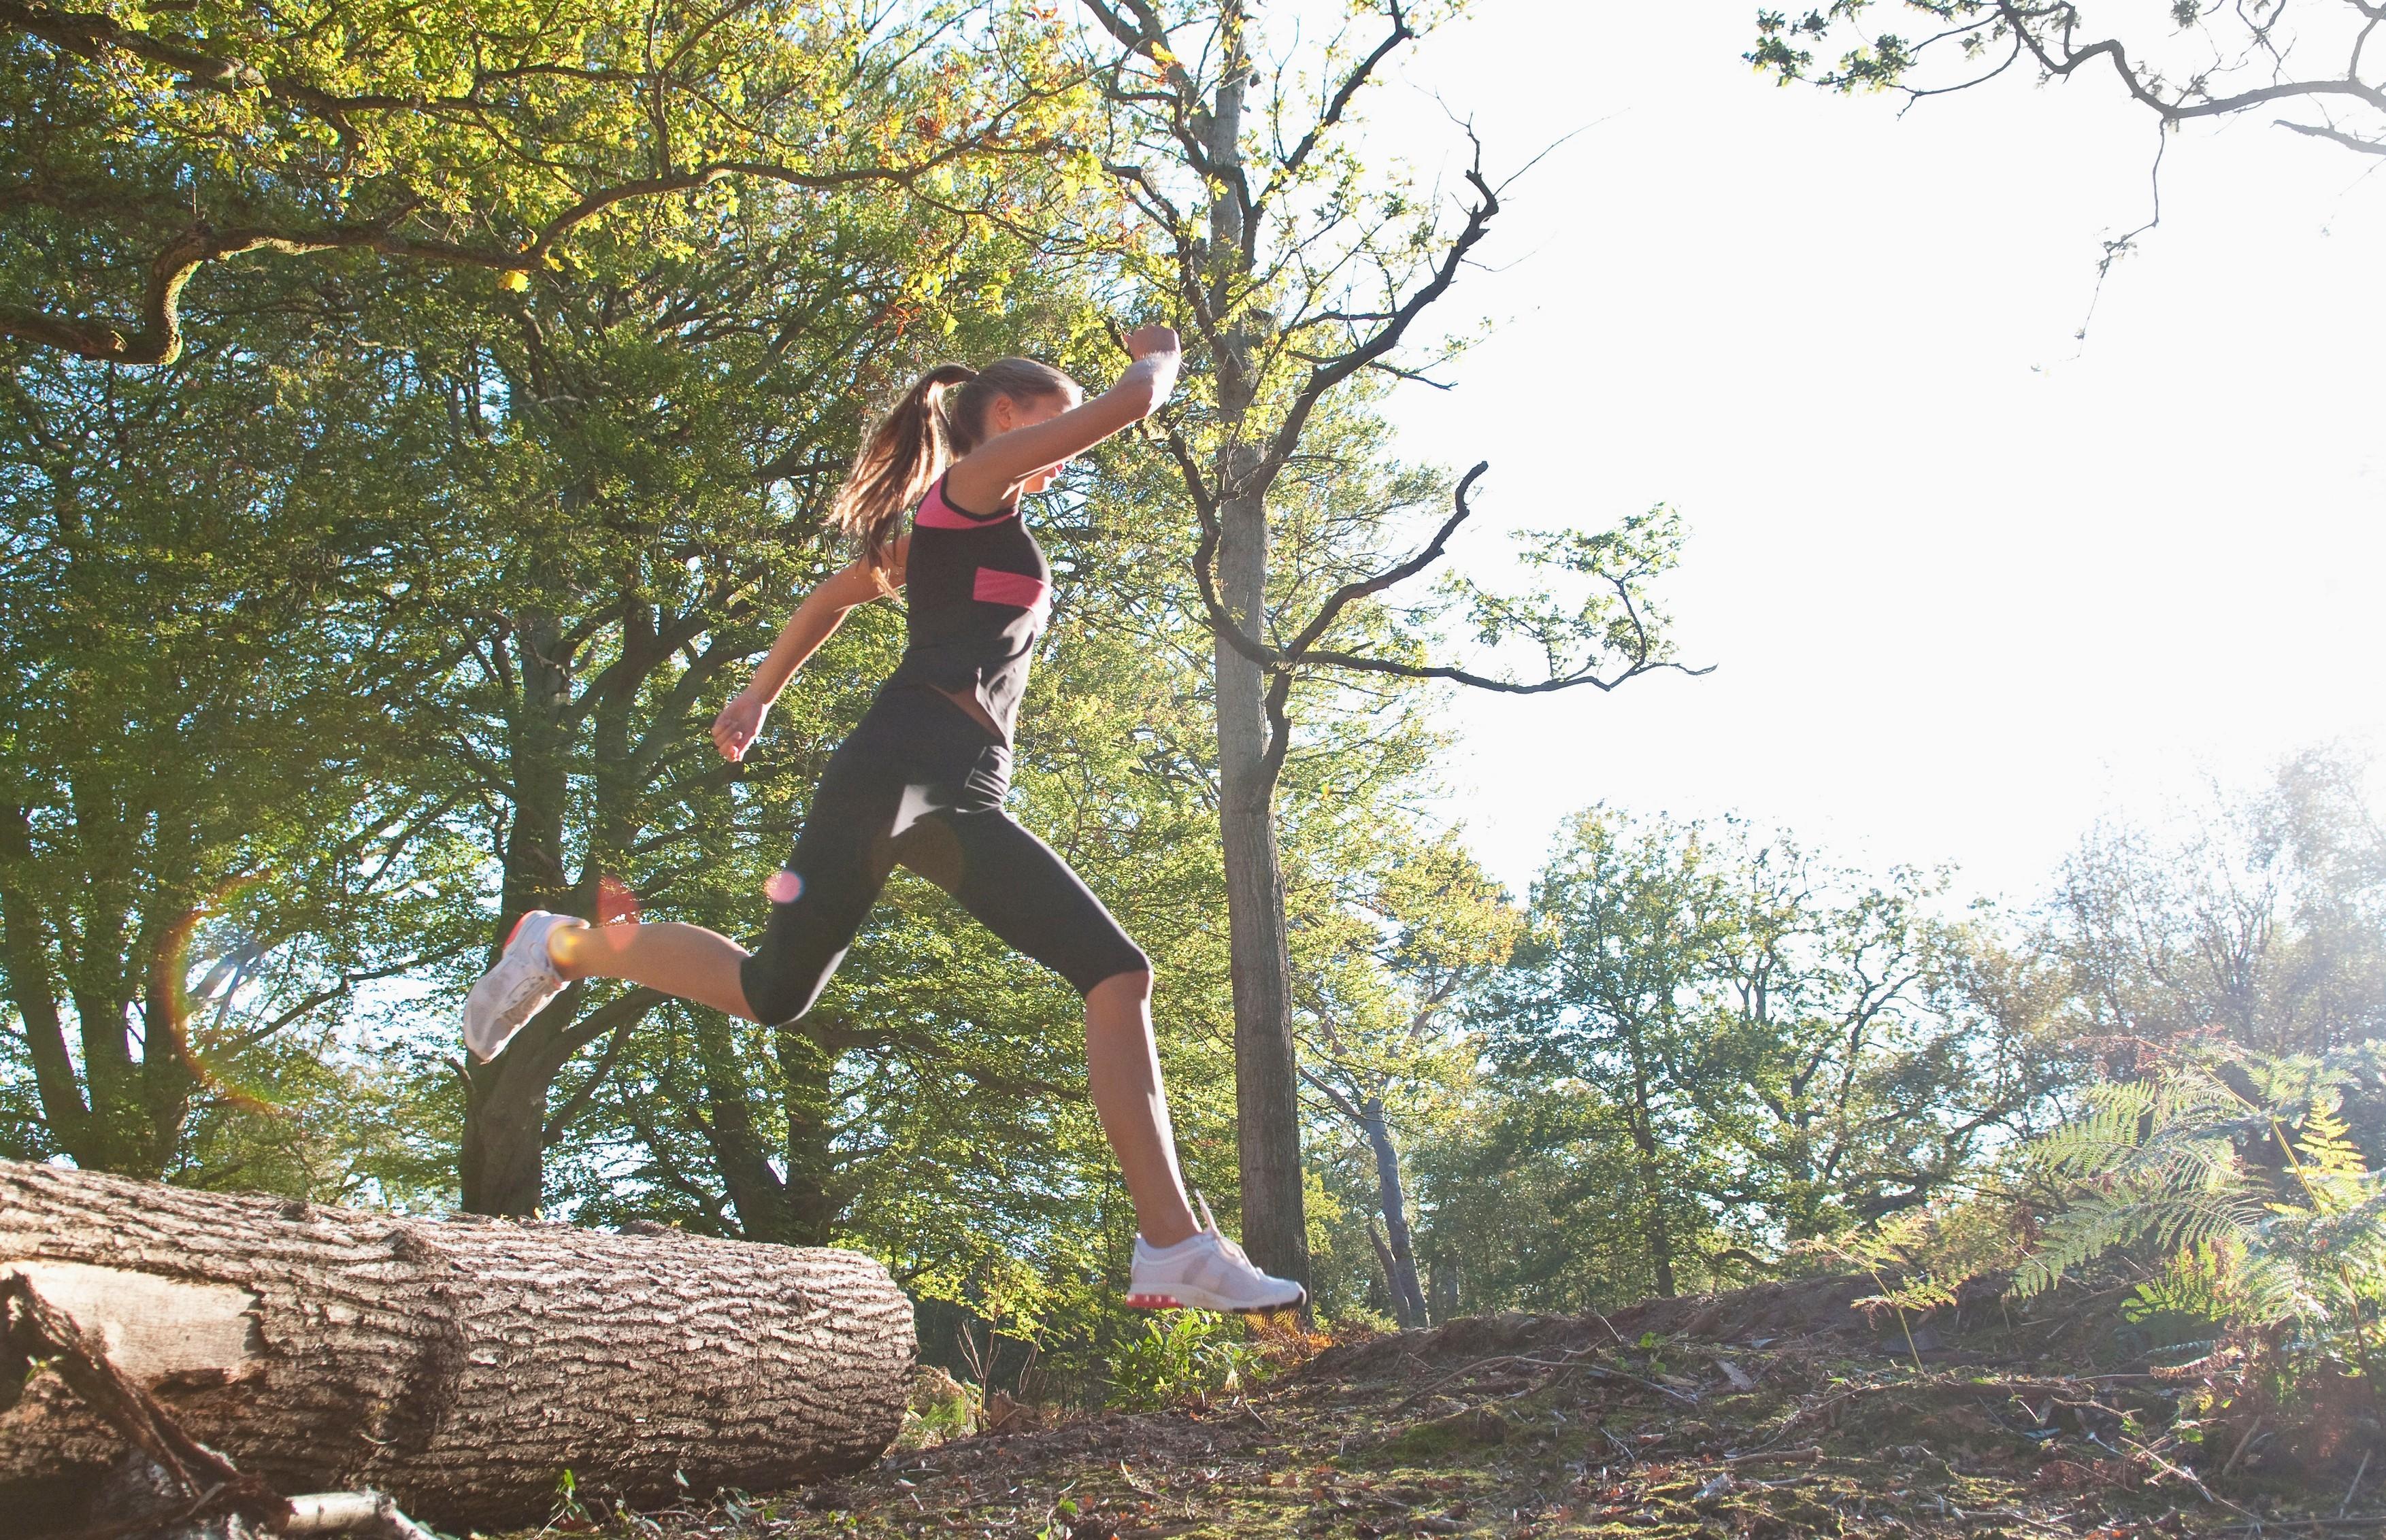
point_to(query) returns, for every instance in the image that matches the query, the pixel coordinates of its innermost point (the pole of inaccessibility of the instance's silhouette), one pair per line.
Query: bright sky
(1970, 582)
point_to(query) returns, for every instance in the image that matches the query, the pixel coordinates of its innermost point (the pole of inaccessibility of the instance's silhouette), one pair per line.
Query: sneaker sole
(520, 921)
(1170, 1302)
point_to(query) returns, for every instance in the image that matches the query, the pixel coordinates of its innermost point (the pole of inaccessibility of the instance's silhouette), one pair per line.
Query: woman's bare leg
(1121, 1058)
(1123, 1065)
(686, 961)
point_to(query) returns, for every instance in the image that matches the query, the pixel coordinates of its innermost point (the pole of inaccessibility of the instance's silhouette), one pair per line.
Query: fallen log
(170, 1483)
(460, 1366)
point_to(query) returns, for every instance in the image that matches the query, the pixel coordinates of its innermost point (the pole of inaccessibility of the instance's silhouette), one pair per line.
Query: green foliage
(1181, 1355)
(2236, 1175)
(1880, 61)
(1771, 1049)
(941, 1407)
(506, 141)
(1888, 1253)
(1414, 925)
(2262, 920)
(1530, 1199)
(2218, 1282)
(213, 590)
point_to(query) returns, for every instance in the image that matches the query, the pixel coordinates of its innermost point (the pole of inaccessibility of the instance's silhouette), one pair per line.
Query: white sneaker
(1206, 1272)
(516, 989)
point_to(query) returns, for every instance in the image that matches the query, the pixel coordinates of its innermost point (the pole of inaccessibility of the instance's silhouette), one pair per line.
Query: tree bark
(1402, 1273)
(815, 1194)
(25, 965)
(502, 1163)
(1443, 1273)
(1400, 1312)
(1267, 1105)
(1647, 1164)
(460, 1366)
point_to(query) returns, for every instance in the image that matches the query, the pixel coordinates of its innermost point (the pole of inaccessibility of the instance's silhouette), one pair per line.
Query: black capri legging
(921, 783)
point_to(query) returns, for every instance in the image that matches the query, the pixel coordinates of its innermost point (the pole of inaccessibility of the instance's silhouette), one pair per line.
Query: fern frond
(2223, 1281)
(2156, 1161)
(2331, 1169)
(2098, 1223)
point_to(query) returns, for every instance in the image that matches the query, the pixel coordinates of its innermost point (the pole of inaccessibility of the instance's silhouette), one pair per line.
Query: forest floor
(1773, 1411)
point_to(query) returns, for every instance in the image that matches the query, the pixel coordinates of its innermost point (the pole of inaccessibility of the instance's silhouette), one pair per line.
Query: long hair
(924, 432)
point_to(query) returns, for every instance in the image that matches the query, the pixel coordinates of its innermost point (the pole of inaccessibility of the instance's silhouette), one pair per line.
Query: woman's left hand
(738, 725)
(1145, 341)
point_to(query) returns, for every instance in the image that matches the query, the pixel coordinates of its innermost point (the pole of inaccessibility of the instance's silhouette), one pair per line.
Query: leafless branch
(2319, 130)
(1358, 75)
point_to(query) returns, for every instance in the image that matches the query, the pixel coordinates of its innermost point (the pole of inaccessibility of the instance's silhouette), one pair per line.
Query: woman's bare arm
(814, 622)
(990, 475)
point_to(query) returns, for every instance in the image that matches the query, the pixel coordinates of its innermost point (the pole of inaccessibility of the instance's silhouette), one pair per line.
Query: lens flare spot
(615, 902)
(784, 887)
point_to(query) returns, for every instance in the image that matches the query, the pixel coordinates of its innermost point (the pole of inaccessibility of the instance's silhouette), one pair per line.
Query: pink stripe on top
(934, 513)
(1016, 589)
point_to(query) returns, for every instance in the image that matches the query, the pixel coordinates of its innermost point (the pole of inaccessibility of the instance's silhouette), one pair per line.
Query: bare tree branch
(1504, 686)
(2316, 131)
(1359, 74)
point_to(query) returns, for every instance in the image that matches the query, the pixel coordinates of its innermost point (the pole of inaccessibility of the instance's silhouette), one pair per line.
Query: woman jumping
(922, 781)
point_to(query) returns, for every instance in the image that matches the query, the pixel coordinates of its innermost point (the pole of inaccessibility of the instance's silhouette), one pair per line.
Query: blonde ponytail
(903, 455)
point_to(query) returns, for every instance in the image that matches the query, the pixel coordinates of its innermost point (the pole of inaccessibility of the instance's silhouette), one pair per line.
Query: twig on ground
(2243, 1444)
(1762, 1456)
(1929, 1384)
(371, 1513)
(1572, 1360)
(2188, 1476)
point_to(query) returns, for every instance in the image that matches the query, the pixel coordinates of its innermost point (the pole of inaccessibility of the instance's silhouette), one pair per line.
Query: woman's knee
(1129, 984)
(781, 984)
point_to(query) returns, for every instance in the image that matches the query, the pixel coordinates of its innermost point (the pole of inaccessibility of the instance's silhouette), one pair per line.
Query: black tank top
(977, 590)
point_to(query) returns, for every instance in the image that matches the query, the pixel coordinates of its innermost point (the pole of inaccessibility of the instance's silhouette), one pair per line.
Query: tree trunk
(1659, 1234)
(1400, 1312)
(1443, 1273)
(1267, 1105)
(756, 1194)
(1402, 1271)
(502, 1163)
(815, 1194)
(25, 965)
(460, 1366)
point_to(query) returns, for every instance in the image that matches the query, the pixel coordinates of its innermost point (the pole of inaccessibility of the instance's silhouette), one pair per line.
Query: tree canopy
(150, 141)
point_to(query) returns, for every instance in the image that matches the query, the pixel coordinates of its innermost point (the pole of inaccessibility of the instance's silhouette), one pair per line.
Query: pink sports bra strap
(934, 513)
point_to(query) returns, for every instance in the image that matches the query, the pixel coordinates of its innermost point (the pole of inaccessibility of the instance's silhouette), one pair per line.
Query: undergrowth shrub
(1898, 1255)
(1181, 1355)
(2235, 1178)
(941, 1407)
